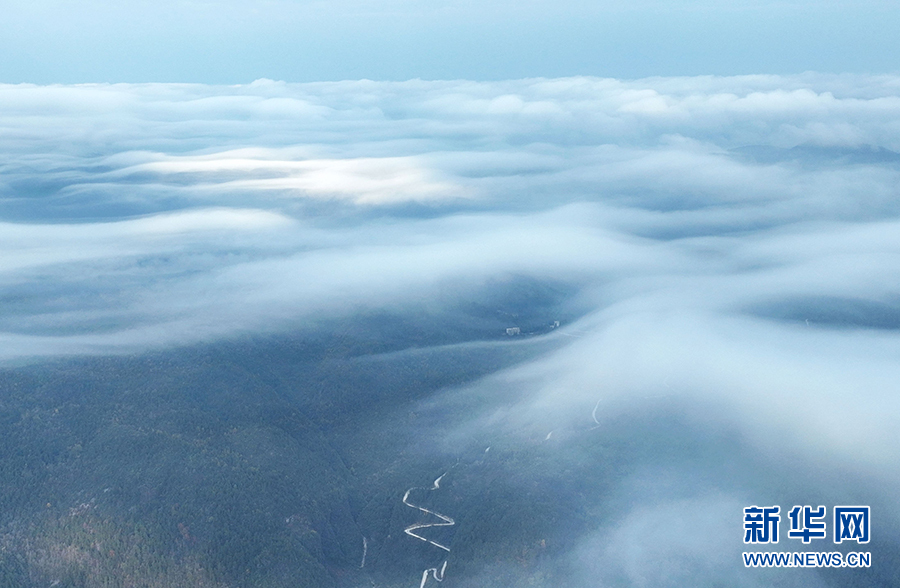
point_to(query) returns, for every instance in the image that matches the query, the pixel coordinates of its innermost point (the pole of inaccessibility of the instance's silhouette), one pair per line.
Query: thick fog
(733, 245)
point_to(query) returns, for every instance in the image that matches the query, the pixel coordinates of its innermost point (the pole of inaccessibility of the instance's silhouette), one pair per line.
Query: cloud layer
(735, 241)
(723, 194)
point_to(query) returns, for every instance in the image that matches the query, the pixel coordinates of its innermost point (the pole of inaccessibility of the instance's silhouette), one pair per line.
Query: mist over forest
(544, 332)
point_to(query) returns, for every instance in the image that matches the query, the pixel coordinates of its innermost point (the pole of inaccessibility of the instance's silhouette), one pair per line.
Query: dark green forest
(255, 462)
(266, 462)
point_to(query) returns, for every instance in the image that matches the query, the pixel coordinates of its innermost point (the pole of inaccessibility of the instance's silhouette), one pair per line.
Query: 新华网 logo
(849, 523)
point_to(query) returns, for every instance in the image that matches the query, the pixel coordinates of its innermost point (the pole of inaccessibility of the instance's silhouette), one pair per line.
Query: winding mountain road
(445, 521)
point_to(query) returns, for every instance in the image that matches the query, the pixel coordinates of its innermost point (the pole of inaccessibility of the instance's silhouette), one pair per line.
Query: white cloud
(363, 180)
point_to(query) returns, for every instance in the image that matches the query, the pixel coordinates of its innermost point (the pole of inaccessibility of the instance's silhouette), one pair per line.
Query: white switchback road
(445, 521)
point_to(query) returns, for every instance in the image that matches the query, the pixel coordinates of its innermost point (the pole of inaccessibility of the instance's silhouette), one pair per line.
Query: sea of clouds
(736, 239)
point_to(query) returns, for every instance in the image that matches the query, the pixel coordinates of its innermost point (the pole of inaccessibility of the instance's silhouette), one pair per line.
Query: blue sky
(227, 41)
